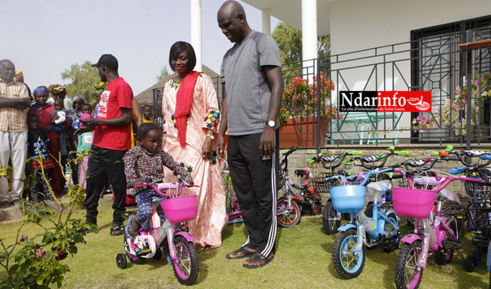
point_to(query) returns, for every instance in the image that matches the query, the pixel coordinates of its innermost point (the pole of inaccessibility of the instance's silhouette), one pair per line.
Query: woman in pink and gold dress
(191, 117)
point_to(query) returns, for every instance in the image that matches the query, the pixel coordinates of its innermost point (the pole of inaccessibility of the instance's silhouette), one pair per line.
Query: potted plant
(301, 108)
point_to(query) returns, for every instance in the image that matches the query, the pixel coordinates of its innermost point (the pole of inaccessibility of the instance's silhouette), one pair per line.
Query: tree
(163, 73)
(82, 77)
(289, 40)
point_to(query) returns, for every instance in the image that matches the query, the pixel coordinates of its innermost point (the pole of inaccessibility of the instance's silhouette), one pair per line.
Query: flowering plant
(332, 112)
(302, 98)
(480, 89)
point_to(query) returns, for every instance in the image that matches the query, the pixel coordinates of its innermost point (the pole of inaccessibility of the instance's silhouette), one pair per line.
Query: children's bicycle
(434, 232)
(290, 206)
(479, 204)
(331, 220)
(348, 252)
(172, 236)
(233, 210)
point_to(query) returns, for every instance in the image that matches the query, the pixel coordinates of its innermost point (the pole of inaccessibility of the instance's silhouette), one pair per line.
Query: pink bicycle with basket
(434, 232)
(172, 236)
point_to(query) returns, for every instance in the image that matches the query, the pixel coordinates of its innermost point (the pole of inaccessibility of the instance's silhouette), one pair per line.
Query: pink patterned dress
(212, 218)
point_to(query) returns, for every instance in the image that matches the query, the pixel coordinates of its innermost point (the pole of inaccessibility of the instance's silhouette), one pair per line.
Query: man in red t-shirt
(112, 138)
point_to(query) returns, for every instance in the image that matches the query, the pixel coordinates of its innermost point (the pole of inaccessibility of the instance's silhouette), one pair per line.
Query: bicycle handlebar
(364, 161)
(456, 171)
(376, 171)
(158, 185)
(328, 162)
(290, 151)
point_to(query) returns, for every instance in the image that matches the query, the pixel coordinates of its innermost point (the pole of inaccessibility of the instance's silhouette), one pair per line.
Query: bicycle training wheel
(186, 267)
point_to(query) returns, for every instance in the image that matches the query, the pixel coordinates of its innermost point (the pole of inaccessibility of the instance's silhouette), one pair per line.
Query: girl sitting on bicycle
(146, 162)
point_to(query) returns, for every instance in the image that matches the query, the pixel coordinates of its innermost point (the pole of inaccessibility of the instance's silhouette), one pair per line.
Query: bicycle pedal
(452, 244)
(480, 241)
(389, 242)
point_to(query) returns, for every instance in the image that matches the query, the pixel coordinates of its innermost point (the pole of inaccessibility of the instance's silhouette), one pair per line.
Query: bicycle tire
(393, 217)
(287, 217)
(186, 267)
(346, 241)
(407, 259)
(330, 220)
(315, 202)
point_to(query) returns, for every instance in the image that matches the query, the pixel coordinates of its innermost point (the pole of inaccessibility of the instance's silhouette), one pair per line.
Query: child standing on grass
(146, 162)
(36, 144)
(84, 142)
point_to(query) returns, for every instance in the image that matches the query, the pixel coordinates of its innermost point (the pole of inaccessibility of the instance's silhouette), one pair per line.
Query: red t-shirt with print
(117, 95)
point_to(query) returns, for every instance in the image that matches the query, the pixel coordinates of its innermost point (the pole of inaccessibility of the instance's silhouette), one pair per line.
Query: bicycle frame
(373, 225)
(433, 232)
(160, 233)
(235, 214)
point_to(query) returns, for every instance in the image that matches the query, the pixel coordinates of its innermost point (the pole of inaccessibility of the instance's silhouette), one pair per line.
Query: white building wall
(358, 24)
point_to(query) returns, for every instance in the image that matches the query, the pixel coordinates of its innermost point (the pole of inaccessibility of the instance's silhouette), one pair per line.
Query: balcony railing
(435, 64)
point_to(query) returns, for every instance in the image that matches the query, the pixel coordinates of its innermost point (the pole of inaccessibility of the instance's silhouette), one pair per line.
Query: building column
(266, 15)
(196, 30)
(309, 30)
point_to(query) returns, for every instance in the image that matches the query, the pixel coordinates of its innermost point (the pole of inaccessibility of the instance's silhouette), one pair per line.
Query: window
(438, 65)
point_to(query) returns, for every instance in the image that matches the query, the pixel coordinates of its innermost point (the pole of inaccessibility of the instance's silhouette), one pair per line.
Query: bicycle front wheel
(408, 274)
(348, 263)
(186, 267)
(287, 216)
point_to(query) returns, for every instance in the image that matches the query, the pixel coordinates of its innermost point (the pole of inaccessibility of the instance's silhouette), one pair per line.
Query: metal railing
(436, 64)
(433, 64)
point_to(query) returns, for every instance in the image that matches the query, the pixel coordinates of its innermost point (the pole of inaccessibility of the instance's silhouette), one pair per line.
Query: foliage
(163, 73)
(451, 113)
(82, 77)
(289, 40)
(36, 261)
(302, 98)
(332, 113)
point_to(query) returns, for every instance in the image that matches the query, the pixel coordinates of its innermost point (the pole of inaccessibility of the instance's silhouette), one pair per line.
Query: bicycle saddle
(302, 173)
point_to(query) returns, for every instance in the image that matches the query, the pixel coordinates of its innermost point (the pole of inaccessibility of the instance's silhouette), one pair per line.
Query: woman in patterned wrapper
(191, 116)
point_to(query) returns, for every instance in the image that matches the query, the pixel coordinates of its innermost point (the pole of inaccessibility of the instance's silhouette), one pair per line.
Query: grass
(303, 260)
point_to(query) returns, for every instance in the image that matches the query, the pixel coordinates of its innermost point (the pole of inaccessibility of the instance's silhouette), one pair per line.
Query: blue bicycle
(348, 252)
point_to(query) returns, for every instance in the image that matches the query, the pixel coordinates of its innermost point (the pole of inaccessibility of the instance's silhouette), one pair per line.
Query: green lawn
(303, 260)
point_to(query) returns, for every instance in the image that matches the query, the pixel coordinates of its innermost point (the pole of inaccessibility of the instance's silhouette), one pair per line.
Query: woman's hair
(178, 48)
(144, 129)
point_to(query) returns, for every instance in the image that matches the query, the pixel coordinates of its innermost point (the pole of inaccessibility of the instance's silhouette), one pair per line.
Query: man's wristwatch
(210, 136)
(271, 123)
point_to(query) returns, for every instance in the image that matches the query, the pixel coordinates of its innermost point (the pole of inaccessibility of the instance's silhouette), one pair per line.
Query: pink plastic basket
(413, 203)
(180, 209)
